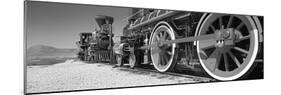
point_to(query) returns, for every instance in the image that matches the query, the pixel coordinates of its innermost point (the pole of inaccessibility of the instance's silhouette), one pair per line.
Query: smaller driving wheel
(163, 55)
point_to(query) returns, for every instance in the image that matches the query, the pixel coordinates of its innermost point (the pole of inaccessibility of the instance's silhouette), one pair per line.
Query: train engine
(83, 45)
(225, 46)
(97, 46)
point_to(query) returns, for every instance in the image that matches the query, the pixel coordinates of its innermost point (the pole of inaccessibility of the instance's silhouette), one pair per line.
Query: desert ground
(77, 75)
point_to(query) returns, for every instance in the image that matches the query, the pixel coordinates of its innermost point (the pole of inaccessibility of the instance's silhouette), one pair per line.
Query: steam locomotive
(225, 46)
(96, 46)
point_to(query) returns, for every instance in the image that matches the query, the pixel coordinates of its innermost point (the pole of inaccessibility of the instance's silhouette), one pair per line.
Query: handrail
(153, 19)
(133, 14)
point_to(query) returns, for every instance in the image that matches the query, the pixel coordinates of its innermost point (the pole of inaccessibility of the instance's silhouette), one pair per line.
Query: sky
(59, 25)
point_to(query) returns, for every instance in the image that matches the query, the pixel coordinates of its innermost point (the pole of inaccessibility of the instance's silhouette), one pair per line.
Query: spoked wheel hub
(232, 52)
(227, 37)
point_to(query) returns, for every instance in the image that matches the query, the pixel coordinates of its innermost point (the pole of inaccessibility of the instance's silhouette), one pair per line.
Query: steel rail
(199, 79)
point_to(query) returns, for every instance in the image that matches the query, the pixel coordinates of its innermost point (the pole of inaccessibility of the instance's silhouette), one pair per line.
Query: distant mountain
(43, 50)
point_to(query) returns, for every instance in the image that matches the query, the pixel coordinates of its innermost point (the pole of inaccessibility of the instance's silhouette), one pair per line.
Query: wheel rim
(132, 60)
(163, 60)
(231, 56)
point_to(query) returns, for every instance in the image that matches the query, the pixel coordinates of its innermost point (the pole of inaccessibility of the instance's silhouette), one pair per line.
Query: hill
(49, 51)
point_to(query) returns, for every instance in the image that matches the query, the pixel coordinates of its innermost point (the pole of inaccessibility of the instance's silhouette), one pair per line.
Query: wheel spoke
(220, 23)
(165, 57)
(244, 38)
(218, 58)
(240, 25)
(169, 53)
(225, 62)
(168, 37)
(165, 35)
(159, 59)
(229, 22)
(204, 49)
(213, 28)
(162, 60)
(241, 50)
(166, 53)
(203, 53)
(157, 38)
(161, 36)
(234, 59)
(214, 59)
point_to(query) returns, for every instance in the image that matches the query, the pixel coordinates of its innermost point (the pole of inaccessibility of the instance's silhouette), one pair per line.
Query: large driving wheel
(163, 56)
(231, 54)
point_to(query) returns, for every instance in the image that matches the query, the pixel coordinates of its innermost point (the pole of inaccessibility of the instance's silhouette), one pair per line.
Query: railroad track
(198, 79)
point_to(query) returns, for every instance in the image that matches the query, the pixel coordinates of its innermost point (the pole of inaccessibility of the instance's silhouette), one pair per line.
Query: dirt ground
(77, 75)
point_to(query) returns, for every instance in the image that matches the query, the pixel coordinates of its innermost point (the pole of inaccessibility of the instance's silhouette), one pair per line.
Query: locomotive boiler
(225, 46)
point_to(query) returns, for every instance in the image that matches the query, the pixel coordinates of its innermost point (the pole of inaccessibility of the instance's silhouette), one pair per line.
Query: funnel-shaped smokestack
(101, 19)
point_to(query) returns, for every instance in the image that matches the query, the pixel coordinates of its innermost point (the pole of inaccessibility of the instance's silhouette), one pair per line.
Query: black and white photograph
(80, 47)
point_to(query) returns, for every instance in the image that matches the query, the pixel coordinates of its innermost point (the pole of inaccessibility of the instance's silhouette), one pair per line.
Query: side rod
(182, 40)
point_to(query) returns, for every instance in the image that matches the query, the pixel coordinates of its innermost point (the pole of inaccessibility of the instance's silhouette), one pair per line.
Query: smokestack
(101, 19)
